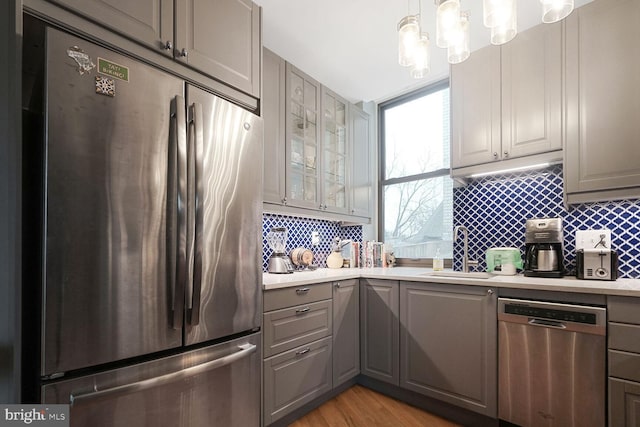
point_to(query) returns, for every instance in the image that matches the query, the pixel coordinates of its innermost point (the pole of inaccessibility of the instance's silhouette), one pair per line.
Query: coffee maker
(543, 248)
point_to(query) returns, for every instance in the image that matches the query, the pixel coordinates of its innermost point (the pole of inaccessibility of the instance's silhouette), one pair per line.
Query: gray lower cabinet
(380, 333)
(296, 377)
(624, 361)
(602, 90)
(346, 331)
(448, 344)
(297, 347)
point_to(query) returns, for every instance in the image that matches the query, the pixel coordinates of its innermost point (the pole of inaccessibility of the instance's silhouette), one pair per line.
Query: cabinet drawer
(623, 309)
(624, 337)
(296, 377)
(292, 327)
(624, 365)
(296, 295)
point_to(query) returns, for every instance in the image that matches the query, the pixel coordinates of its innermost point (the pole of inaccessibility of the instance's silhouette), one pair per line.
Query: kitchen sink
(460, 274)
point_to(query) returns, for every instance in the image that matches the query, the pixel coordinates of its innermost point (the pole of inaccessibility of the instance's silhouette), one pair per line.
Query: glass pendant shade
(458, 49)
(507, 29)
(496, 12)
(421, 66)
(555, 10)
(408, 37)
(447, 17)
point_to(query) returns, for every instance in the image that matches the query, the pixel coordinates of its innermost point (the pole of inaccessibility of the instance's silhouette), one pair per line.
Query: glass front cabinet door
(334, 153)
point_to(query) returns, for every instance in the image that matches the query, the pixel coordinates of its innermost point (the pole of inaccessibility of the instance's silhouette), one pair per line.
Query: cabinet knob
(184, 53)
(168, 45)
(338, 285)
(490, 292)
(495, 154)
(506, 153)
(284, 200)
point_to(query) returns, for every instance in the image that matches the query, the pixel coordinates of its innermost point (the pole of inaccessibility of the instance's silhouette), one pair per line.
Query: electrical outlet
(315, 238)
(591, 239)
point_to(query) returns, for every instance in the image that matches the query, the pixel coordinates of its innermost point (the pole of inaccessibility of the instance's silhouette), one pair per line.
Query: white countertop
(624, 287)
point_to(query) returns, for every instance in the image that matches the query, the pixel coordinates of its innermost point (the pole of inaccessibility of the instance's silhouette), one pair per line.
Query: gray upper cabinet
(379, 329)
(361, 179)
(302, 97)
(475, 108)
(603, 101)
(273, 113)
(221, 38)
(335, 152)
(448, 344)
(346, 331)
(218, 38)
(507, 101)
(149, 22)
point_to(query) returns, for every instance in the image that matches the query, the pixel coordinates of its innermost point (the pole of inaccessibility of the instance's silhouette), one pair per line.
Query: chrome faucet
(466, 263)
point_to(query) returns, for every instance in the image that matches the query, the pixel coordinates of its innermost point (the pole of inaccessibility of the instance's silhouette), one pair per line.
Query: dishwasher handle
(547, 323)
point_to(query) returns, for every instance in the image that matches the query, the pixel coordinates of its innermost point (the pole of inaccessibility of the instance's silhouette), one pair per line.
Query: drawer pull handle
(302, 310)
(302, 291)
(303, 351)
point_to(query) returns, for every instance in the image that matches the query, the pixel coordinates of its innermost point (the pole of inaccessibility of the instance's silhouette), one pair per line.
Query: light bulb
(497, 12)
(458, 49)
(506, 29)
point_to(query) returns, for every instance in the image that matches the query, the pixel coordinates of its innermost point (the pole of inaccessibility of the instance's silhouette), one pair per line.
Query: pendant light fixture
(408, 37)
(555, 10)
(447, 21)
(458, 49)
(452, 29)
(506, 25)
(422, 60)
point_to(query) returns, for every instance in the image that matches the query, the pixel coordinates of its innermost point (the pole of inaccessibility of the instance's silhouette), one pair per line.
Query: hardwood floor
(361, 407)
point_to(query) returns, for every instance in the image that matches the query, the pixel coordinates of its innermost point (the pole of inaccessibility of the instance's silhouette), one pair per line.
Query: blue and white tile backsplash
(495, 209)
(299, 235)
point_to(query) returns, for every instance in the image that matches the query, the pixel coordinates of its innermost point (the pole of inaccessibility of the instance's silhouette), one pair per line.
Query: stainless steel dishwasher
(551, 364)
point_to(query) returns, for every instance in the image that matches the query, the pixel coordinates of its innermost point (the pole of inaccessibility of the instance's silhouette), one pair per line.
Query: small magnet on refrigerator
(85, 64)
(105, 86)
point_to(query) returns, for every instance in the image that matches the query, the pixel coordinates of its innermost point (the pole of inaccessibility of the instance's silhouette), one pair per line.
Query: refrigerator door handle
(196, 159)
(176, 240)
(244, 350)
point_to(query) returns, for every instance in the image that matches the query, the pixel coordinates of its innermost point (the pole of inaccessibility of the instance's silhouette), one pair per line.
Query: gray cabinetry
(335, 153)
(296, 377)
(361, 179)
(273, 113)
(624, 361)
(379, 328)
(346, 331)
(603, 101)
(149, 22)
(448, 344)
(221, 38)
(218, 38)
(297, 347)
(302, 139)
(507, 101)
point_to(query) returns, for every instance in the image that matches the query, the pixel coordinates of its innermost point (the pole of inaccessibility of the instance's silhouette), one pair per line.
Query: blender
(279, 262)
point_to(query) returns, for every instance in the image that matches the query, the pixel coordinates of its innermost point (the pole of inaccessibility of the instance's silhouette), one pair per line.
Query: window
(416, 192)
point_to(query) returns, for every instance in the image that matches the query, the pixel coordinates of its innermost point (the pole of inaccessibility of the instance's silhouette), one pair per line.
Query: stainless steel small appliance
(279, 262)
(551, 363)
(597, 264)
(543, 247)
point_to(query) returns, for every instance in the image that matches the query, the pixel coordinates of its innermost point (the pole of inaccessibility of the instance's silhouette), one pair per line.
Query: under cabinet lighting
(503, 171)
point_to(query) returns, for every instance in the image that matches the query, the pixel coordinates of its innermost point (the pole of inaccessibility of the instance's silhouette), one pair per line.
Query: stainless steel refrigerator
(150, 245)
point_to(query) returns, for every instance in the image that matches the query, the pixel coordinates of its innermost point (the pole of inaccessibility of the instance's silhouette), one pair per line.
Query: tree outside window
(416, 191)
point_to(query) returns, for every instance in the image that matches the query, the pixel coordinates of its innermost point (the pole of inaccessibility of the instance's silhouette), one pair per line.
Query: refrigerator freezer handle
(244, 350)
(177, 270)
(196, 122)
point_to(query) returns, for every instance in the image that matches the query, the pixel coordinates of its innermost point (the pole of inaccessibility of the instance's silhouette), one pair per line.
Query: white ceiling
(350, 46)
